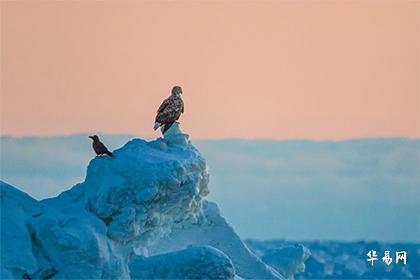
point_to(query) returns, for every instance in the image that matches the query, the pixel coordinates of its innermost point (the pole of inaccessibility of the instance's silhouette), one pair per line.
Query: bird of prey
(99, 147)
(170, 110)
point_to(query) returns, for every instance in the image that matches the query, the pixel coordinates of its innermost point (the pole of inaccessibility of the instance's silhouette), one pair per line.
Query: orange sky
(319, 70)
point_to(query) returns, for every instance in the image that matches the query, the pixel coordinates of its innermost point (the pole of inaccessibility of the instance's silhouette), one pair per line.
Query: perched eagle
(170, 110)
(99, 147)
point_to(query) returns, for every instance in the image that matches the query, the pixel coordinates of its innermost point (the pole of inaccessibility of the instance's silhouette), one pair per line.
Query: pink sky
(319, 70)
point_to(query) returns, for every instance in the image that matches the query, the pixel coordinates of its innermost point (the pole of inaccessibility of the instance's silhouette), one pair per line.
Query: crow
(99, 147)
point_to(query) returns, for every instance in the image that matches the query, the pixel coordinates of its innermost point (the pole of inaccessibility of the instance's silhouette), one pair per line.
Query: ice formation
(138, 215)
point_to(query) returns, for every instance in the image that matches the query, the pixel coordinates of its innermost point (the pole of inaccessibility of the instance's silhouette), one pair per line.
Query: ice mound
(190, 263)
(288, 259)
(17, 208)
(138, 215)
(144, 190)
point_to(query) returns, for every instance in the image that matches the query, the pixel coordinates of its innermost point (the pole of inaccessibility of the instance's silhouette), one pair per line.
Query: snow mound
(138, 215)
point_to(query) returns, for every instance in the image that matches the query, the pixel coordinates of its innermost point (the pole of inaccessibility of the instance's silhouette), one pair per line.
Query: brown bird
(99, 147)
(170, 110)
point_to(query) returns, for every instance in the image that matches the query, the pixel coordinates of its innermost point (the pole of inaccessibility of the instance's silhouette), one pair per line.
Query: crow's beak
(91, 137)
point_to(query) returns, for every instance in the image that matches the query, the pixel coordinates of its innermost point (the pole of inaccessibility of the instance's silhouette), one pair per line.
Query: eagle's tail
(156, 126)
(166, 127)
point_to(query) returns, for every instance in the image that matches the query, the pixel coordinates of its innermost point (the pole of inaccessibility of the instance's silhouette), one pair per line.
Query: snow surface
(138, 215)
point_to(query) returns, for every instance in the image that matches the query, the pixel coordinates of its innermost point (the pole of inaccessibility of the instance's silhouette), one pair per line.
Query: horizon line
(396, 137)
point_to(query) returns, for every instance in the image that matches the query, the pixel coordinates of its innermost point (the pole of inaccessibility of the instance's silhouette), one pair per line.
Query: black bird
(99, 147)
